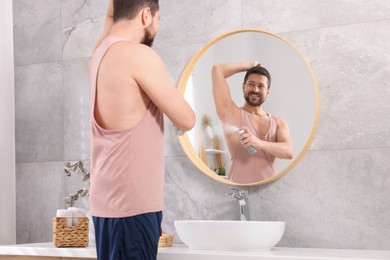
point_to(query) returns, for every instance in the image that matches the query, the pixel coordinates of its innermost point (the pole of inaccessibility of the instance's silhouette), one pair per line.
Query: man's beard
(148, 38)
(256, 103)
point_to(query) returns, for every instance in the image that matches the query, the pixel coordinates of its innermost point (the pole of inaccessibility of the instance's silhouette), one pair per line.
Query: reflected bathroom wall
(336, 197)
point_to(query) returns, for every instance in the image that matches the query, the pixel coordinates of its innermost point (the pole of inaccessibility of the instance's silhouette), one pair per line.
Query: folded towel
(64, 213)
(77, 213)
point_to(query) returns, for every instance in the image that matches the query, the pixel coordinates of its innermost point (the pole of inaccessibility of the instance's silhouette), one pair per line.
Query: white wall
(7, 126)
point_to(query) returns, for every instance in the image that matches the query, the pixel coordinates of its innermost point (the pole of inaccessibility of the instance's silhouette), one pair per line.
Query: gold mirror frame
(184, 139)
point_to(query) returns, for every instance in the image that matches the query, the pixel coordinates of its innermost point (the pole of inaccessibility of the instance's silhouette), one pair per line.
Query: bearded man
(266, 133)
(130, 92)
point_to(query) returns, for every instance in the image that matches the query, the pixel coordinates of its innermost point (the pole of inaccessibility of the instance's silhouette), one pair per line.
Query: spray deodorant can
(251, 149)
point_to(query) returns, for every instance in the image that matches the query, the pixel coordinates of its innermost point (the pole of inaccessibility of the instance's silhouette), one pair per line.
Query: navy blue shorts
(131, 238)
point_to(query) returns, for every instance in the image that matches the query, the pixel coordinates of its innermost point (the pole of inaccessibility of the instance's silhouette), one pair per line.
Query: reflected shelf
(214, 151)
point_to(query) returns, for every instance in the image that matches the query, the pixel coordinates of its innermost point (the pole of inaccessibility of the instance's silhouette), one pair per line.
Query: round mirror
(293, 96)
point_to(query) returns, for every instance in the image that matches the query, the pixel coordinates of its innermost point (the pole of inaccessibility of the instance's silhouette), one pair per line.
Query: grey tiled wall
(336, 197)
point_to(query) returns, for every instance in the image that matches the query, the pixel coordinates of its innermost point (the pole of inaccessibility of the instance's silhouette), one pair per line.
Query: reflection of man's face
(255, 89)
(151, 30)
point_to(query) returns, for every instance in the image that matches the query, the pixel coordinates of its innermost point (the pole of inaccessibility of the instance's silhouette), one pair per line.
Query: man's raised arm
(224, 104)
(107, 24)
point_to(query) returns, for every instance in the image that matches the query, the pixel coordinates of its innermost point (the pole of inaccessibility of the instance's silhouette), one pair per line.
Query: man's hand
(256, 64)
(248, 138)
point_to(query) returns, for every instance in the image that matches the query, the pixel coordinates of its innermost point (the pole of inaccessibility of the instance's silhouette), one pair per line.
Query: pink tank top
(246, 168)
(127, 166)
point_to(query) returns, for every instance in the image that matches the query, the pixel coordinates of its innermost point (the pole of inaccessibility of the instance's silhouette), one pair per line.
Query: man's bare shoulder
(134, 50)
(281, 122)
(139, 57)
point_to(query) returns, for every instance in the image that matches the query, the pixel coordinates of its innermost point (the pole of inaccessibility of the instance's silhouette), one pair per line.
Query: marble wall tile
(39, 193)
(285, 16)
(82, 25)
(183, 23)
(77, 109)
(332, 199)
(37, 31)
(39, 113)
(351, 65)
(190, 194)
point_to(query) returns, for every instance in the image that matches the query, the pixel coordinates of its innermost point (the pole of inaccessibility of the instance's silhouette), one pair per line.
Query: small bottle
(251, 149)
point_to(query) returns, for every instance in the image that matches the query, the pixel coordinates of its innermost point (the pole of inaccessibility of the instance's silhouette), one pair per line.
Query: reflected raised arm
(227, 110)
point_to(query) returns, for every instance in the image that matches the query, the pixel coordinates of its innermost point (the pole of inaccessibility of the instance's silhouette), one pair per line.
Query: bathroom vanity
(46, 251)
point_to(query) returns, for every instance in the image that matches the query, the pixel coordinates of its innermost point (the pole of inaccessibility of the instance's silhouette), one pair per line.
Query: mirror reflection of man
(267, 133)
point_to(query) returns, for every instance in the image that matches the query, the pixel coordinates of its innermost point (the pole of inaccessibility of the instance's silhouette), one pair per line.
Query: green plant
(76, 167)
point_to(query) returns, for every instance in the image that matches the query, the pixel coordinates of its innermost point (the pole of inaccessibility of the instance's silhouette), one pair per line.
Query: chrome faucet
(242, 200)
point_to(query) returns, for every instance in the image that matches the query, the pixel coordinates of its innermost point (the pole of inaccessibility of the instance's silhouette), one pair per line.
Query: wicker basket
(165, 240)
(70, 236)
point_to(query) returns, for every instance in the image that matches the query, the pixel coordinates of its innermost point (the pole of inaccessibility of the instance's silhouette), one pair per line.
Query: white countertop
(181, 252)
(285, 253)
(48, 249)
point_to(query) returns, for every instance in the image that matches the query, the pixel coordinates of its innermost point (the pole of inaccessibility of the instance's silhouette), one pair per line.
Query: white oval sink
(230, 235)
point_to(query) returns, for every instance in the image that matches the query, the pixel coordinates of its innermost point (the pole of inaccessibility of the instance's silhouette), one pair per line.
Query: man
(266, 133)
(130, 91)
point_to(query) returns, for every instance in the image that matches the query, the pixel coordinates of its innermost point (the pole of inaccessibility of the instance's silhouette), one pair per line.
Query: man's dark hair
(128, 9)
(258, 70)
